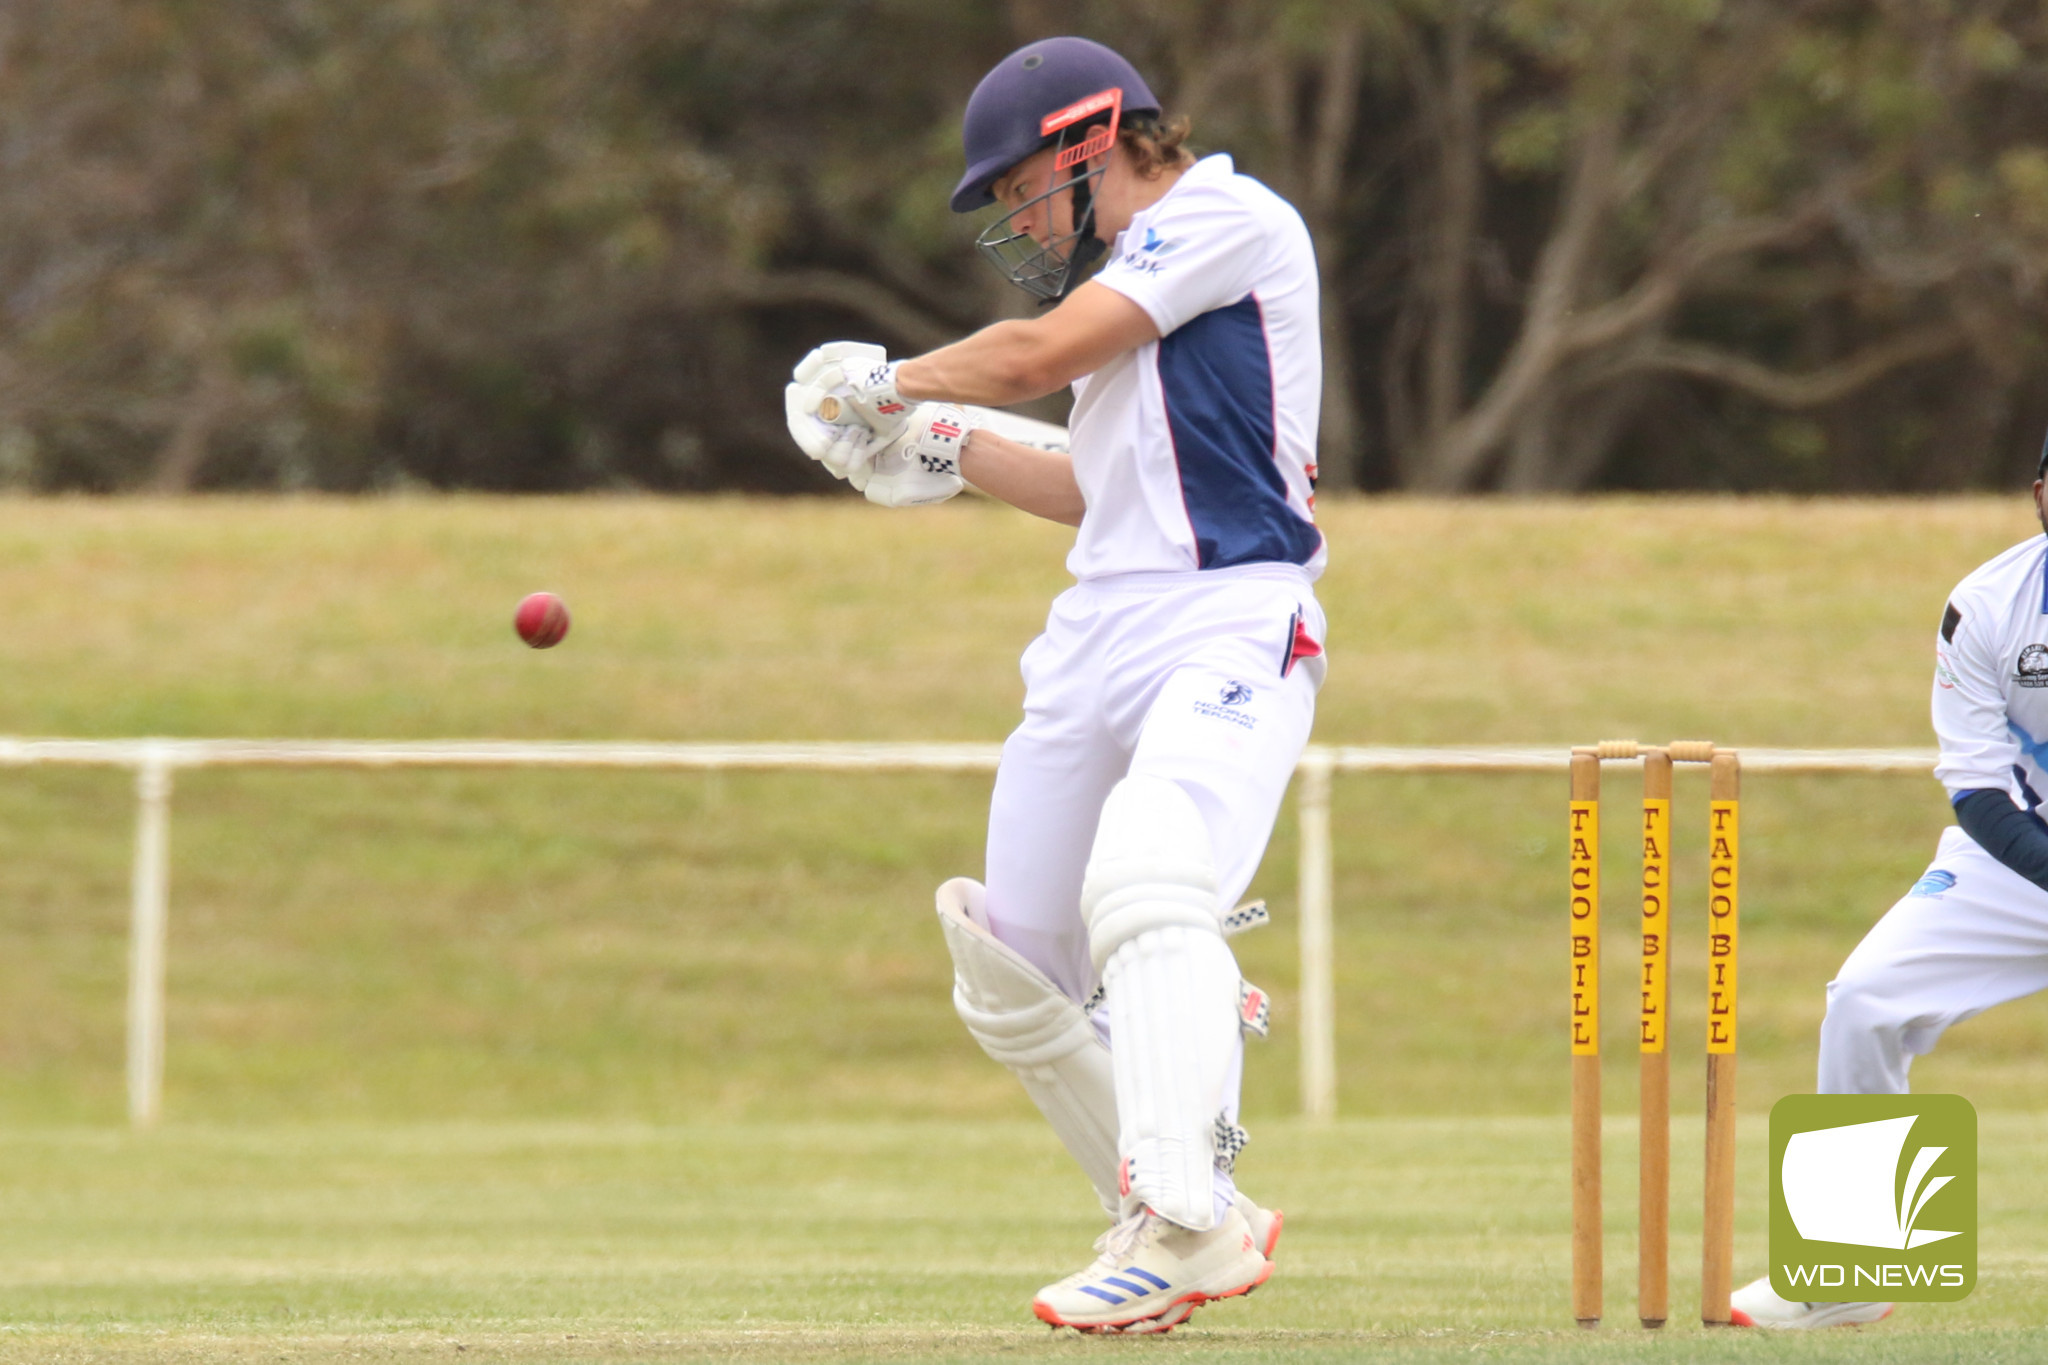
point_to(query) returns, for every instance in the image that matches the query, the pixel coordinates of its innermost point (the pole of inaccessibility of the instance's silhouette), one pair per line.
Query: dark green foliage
(570, 244)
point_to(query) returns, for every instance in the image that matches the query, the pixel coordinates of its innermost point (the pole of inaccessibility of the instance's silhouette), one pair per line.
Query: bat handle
(843, 412)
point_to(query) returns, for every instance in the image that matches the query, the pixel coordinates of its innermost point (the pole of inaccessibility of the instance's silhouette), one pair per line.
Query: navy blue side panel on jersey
(1217, 376)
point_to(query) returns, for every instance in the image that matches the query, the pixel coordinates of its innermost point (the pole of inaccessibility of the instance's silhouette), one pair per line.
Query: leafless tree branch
(831, 289)
(1811, 389)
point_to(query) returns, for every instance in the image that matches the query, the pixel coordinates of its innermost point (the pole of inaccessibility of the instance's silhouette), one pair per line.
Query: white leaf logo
(1839, 1185)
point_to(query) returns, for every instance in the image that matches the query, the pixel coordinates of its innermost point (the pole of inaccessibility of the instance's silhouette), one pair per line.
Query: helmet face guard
(1051, 270)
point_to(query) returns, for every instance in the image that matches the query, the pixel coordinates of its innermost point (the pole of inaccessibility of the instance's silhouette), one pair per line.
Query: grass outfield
(417, 946)
(1764, 621)
(666, 1063)
(1408, 1240)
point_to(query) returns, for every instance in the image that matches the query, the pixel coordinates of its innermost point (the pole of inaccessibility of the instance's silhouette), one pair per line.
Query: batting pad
(1023, 1021)
(1151, 867)
(1173, 996)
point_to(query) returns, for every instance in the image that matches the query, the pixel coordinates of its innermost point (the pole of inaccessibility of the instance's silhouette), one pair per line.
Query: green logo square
(1873, 1198)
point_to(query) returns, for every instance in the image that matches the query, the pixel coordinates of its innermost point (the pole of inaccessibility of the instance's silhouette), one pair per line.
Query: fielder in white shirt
(1172, 691)
(1973, 931)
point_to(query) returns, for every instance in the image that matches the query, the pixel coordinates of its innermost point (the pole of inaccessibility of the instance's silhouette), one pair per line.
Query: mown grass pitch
(1407, 1239)
(641, 1067)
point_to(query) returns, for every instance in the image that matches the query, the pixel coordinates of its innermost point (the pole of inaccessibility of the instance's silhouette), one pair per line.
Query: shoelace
(1118, 1241)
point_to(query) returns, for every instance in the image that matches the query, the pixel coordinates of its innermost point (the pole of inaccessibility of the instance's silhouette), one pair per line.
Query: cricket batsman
(1172, 690)
(1973, 931)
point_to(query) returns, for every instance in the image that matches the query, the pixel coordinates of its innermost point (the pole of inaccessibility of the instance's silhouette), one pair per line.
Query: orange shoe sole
(1179, 1310)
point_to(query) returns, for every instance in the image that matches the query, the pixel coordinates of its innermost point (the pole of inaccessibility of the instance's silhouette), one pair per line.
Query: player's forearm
(1003, 363)
(1016, 361)
(1040, 482)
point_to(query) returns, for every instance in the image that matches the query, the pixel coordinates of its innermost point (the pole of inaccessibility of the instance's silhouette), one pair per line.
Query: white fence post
(154, 761)
(1318, 991)
(149, 916)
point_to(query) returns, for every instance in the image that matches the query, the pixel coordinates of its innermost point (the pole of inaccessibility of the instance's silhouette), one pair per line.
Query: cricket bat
(1025, 431)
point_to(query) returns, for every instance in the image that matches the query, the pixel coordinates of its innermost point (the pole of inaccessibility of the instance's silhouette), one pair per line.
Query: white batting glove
(922, 465)
(871, 385)
(833, 440)
(839, 446)
(839, 394)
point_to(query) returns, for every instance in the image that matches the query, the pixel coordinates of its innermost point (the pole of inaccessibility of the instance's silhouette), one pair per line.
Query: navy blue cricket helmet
(1068, 93)
(1006, 113)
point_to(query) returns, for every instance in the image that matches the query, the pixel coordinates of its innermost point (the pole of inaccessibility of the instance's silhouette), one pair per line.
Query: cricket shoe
(1756, 1304)
(1264, 1223)
(1150, 1274)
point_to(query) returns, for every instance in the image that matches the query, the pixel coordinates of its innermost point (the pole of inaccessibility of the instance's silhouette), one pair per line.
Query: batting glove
(838, 394)
(871, 386)
(922, 465)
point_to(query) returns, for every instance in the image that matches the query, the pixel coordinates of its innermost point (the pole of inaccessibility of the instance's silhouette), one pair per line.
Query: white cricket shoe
(1756, 1304)
(1150, 1274)
(1264, 1223)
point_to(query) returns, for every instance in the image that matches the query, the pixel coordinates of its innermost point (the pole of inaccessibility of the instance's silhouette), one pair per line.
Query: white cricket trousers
(1972, 933)
(1185, 676)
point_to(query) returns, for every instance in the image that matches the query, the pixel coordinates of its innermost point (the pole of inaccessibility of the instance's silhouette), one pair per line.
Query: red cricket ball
(542, 620)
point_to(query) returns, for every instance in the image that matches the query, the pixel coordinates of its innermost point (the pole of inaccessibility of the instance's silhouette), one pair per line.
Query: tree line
(575, 244)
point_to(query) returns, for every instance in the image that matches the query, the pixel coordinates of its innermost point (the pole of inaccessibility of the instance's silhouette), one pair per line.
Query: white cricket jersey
(1197, 451)
(1991, 679)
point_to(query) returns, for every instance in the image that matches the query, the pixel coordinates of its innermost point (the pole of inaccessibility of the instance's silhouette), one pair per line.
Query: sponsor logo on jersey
(1144, 257)
(1944, 676)
(1933, 884)
(1155, 245)
(1232, 695)
(2032, 670)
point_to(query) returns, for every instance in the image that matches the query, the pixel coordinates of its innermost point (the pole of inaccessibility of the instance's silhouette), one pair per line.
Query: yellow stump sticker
(1723, 849)
(1656, 920)
(1585, 860)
